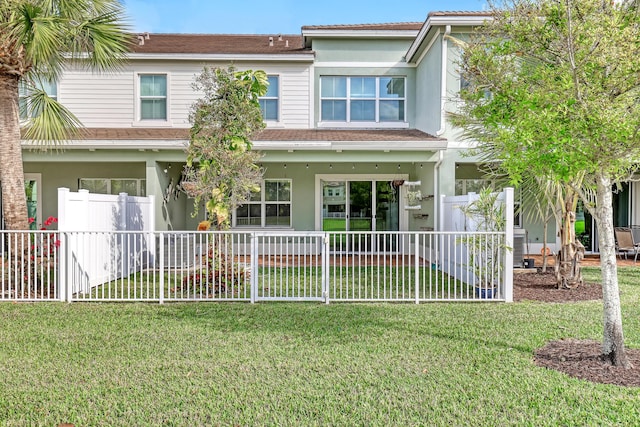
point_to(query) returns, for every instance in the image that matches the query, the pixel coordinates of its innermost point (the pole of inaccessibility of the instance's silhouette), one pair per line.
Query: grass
(346, 282)
(304, 364)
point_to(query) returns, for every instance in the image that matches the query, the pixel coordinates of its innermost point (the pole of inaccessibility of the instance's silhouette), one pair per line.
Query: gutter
(443, 82)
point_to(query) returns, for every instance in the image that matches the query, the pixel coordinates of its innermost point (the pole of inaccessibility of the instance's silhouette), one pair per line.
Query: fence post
(161, 267)
(325, 267)
(508, 241)
(416, 256)
(254, 267)
(62, 267)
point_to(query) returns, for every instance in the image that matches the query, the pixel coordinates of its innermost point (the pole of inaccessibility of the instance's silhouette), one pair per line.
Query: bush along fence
(252, 266)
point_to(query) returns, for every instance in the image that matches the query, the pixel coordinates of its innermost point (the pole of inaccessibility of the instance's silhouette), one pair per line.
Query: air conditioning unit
(518, 248)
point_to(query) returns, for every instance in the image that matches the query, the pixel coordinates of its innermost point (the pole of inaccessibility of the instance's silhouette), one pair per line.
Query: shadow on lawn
(312, 319)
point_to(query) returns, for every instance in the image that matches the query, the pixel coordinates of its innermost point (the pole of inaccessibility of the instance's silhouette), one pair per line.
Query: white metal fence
(251, 266)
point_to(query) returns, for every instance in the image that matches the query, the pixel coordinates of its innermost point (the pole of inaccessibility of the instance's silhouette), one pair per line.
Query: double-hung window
(28, 108)
(270, 207)
(362, 99)
(269, 102)
(153, 96)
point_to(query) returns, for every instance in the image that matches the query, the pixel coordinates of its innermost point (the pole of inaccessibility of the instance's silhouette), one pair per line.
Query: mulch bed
(576, 358)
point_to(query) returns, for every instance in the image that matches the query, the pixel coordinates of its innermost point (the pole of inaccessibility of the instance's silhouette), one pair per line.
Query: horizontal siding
(98, 100)
(295, 105)
(109, 100)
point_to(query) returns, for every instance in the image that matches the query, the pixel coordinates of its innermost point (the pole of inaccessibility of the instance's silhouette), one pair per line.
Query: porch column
(154, 174)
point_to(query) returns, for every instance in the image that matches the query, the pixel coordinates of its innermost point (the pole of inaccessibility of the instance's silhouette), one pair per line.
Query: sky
(276, 16)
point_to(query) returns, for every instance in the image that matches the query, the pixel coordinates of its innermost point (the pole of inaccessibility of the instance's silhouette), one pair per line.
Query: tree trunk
(568, 270)
(545, 256)
(613, 344)
(14, 201)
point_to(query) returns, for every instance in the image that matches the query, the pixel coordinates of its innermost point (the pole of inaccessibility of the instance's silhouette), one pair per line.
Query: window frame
(263, 202)
(139, 120)
(275, 98)
(141, 184)
(351, 98)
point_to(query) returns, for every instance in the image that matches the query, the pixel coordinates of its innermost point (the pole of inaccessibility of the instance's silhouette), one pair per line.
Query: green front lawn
(304, 364)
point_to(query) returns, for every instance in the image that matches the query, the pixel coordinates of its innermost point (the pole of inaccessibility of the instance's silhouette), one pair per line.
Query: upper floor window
(362, 99)
(271, 207)
(153, 97)
(269, 102)
(27, 109)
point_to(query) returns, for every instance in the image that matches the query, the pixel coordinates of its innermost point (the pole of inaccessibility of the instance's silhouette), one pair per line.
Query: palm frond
(51, 122)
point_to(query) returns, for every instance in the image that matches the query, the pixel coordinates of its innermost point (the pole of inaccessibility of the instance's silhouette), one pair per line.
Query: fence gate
(290, 267)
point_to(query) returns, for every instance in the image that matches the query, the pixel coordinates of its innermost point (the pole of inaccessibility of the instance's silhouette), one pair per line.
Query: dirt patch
(542, 287)
(576, 358)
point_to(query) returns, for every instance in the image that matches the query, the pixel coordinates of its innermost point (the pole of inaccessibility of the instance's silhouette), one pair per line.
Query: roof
(266, 140)
(391, 26)
(218, 44)
(265, 134)
(460, 13)
(443, 21)
(344, 135)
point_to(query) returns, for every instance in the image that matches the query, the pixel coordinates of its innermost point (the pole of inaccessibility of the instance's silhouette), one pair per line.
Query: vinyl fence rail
(252, 266)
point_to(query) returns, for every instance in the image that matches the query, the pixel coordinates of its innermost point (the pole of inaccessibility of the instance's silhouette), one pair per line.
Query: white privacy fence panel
(491, 250)
(101, 256)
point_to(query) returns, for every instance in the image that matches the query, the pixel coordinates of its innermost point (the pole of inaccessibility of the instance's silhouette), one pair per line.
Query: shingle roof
(219, 44)
(266, 134)
(344, 135)
(391, 26)
(461, 13)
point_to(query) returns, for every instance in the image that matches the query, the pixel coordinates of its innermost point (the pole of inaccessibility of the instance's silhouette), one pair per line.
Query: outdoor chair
(625, 242)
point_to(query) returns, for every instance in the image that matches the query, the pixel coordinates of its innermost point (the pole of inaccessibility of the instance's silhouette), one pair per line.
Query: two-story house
(356, 136)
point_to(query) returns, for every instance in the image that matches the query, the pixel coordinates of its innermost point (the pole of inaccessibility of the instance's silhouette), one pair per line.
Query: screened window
(362, 99)
(270, 207)
(269, 102)
(131, 186)
(153, 97)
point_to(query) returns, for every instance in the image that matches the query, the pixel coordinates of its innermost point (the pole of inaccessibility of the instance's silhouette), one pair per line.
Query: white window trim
(138, 121)
(263, 211)
(360, 124)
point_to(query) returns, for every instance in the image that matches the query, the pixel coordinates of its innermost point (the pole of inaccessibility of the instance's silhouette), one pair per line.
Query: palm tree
(37, 39)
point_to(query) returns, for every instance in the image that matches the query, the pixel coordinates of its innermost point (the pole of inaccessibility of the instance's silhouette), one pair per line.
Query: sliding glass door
(356, 205)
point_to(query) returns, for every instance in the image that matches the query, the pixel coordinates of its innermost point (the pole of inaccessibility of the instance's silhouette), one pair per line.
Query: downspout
(439, 132)
(443, 82)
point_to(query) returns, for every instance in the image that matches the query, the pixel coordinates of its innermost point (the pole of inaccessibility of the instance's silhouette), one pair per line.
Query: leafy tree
(221, 169)
(37, 39)
(554, 93)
